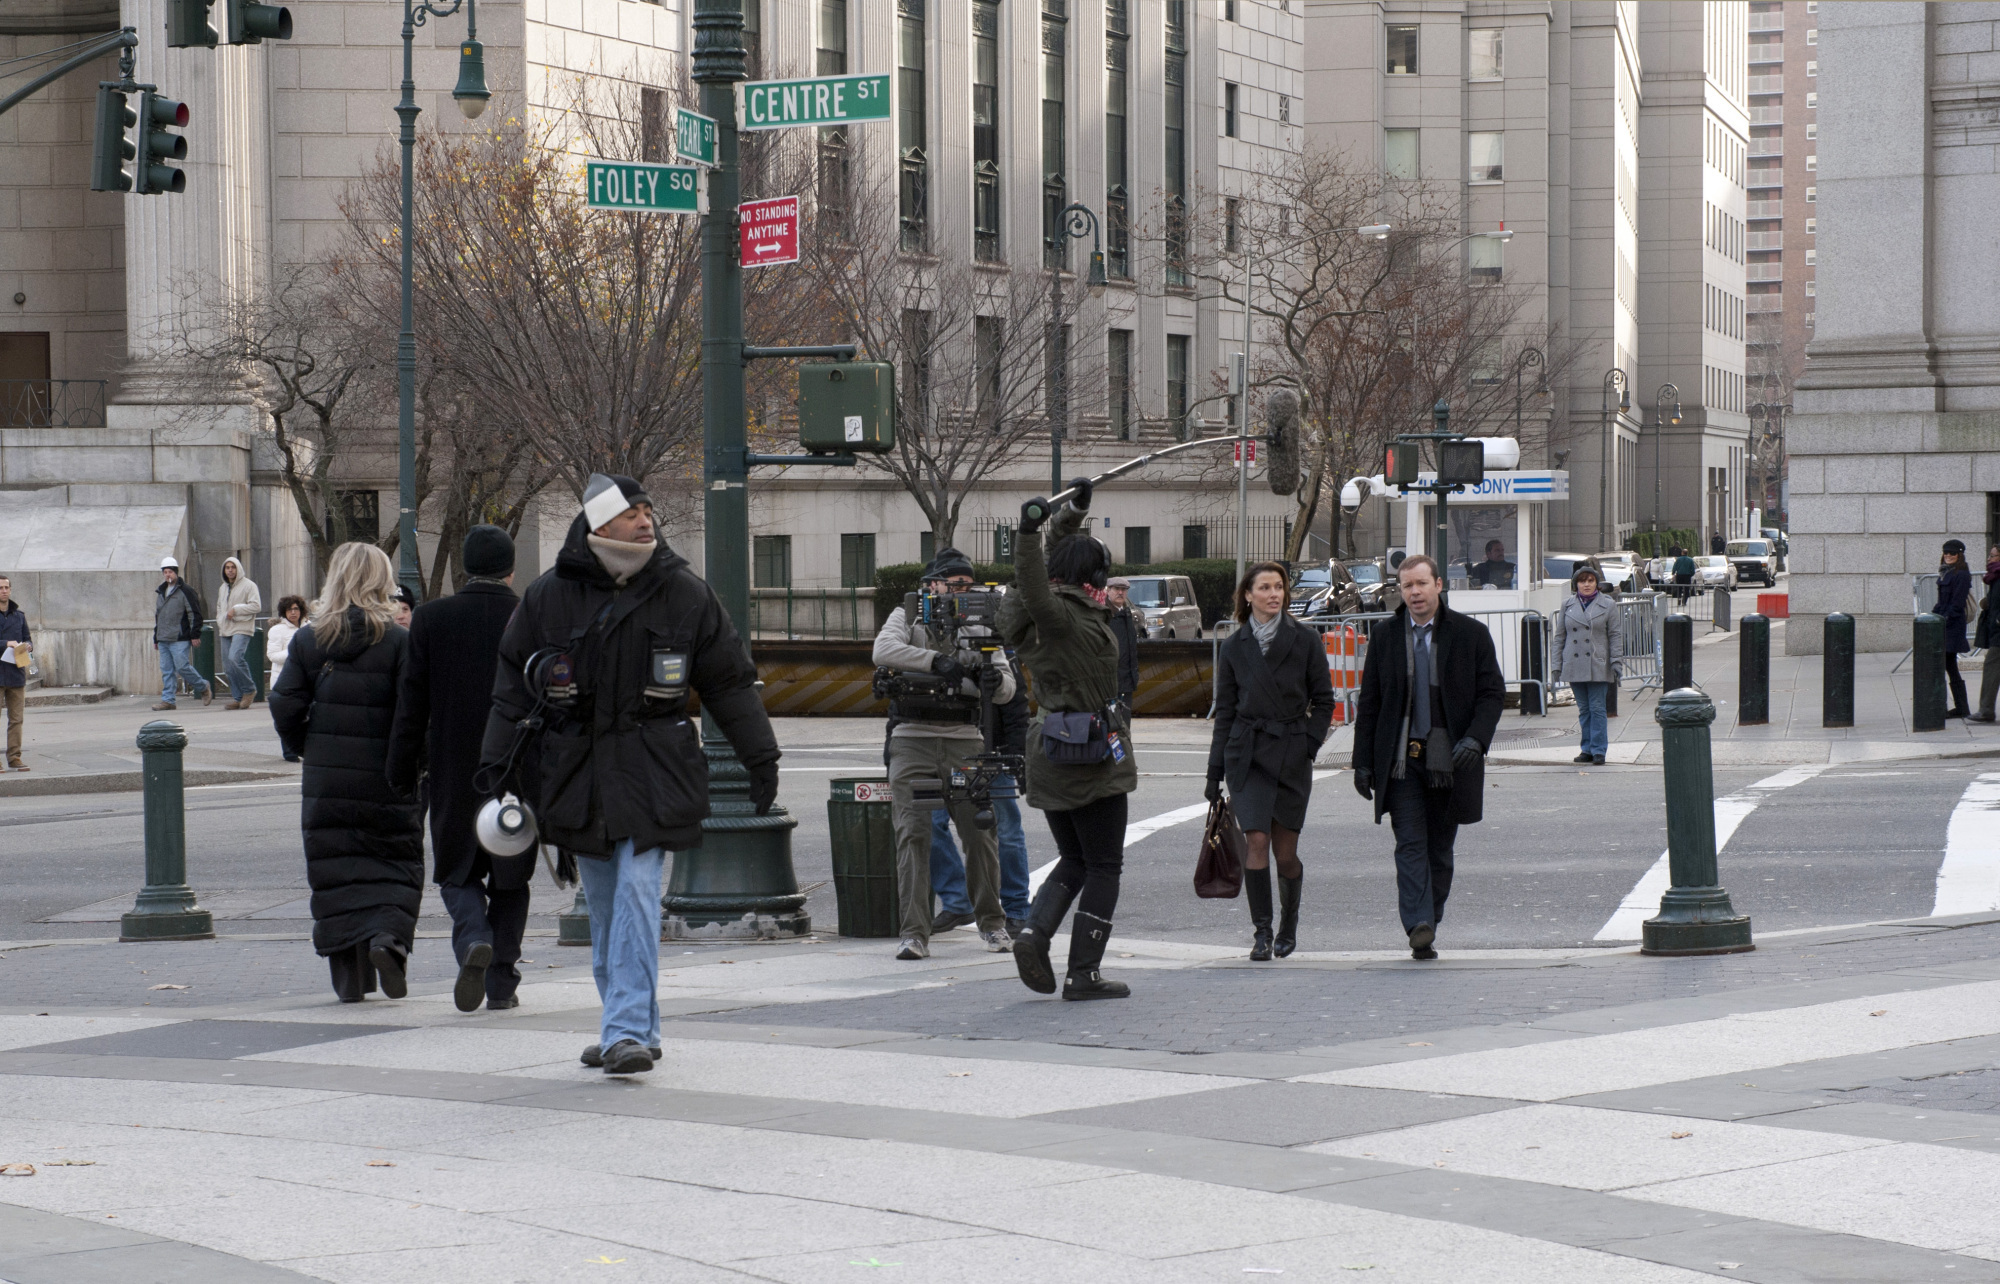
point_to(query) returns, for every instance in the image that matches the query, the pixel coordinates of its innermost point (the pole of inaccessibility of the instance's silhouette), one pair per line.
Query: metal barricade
(1642, 612)
(1923, 597)
(1346, 640)
(1519, 670)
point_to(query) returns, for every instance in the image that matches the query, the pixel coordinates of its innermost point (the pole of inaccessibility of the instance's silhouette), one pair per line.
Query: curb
(1495, 760)
(30, 785)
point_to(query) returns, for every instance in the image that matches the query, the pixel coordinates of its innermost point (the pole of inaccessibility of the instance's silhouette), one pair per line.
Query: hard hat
(506, 827)
(167, 563)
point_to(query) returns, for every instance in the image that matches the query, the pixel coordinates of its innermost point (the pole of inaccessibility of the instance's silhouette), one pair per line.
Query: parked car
(1324, 588)
(1621, 571)
(1754, 559)
(1167, 602)
(1375, 587)
(1714, 571)
(1562, 566)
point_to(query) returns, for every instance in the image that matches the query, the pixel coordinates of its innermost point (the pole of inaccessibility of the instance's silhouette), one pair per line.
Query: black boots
(1959, 708)
(1257, 890)
(1288, 914)
(1031, 943)
(1088, 935)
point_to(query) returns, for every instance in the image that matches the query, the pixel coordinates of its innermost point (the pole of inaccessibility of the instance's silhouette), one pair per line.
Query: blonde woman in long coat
(1589, 644)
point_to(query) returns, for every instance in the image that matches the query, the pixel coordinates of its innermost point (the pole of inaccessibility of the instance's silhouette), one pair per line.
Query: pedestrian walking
(176, 626)
(335, 706)
(1129, 626)
(1273, 707)
(405, 605)
(441, 711)
(1683, 573)
(1589, 651)
(278, 642)
(1986, 635)
(237, 606)
(1954, 595)
(1431, 694)
(605, 650)
(16, 644)
(937, 732)
(1081, 767)
(948, 867)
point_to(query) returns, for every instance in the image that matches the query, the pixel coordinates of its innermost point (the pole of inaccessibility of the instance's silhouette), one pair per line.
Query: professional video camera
(958, 621)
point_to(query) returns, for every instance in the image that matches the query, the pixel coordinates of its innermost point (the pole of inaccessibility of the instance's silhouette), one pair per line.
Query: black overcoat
(1469, 682)
(364, 839)
(1272, 710)
(1954, 593)
(1128, 627)
(441, 713)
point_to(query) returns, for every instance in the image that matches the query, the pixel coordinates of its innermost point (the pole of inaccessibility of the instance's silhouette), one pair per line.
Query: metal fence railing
(52, 403)
(1521, 639)
(1345, 638)
(818, 614)
(1642, 658)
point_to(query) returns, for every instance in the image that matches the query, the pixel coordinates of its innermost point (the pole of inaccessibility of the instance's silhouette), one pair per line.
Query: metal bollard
(1927, 673)
(1534, 667)
(166, 908)
(1836, 697)
(1676, 653)
(1695, 916)
(1721, 609)
(1753, 672)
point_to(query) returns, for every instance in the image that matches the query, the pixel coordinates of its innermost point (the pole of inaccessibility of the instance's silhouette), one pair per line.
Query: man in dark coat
(1129, 626)
(441, 713)
(1986, 635)
(1431, 693)
(16, 642)
(620, 633)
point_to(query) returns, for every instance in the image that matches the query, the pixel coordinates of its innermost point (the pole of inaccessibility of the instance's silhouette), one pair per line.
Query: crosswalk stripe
(1968, 879)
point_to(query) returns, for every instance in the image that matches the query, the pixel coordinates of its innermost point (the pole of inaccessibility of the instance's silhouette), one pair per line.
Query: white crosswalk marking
(1968, 880)
(1643, 901)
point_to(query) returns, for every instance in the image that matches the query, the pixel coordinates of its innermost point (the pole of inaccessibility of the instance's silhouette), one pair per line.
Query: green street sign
(631, 185)
(821, 100)
(694, 137)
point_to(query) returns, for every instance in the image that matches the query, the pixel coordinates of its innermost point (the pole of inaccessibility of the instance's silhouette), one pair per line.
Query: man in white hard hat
(176, 625)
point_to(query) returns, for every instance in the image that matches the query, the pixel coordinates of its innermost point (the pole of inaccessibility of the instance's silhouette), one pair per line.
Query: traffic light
(1462, 462)
(156, 116)
(1403, 464)
(187, 24)
(246, 22)
(110, 148)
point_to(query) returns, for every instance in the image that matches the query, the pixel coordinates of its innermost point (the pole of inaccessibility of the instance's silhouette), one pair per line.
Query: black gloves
(948, 668)
(1081, 500)
(764, 786)
(1466, 753)
(1033, 514)
(1213, 791)
(1364, 782)
(989, 679)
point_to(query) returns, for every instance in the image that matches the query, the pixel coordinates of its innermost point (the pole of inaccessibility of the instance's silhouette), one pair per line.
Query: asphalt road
(1561, 847)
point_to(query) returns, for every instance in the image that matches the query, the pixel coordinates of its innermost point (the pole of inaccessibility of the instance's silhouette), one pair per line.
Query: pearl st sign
(819, 100)
(643, 188)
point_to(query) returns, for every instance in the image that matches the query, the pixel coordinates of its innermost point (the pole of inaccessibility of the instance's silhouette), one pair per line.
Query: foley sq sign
(644, 188)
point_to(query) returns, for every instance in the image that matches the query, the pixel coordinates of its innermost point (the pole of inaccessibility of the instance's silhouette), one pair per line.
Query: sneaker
(593, 1056)
(914, 947)
(627, 1056)
(950, 920)
(207, 694)
(164, 706)
(471, 987)
(997, 942)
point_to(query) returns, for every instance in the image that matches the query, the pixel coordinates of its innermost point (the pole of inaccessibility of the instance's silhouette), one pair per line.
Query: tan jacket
(236, 605)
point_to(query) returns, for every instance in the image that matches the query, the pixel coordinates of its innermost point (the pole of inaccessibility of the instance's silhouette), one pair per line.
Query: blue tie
(1420, 715)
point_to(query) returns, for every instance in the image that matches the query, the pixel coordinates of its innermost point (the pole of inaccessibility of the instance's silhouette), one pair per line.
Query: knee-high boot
(1031, 947)
(1288, 914)
(1088, 935)
(1257, 890)
(1959, 708)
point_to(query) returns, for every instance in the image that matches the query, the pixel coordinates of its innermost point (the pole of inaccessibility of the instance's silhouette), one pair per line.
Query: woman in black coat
(335, 703)
(1273, 706)
(1954, 596)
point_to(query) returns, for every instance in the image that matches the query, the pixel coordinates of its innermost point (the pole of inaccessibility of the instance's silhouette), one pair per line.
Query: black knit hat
(488, 552)
(948, 562)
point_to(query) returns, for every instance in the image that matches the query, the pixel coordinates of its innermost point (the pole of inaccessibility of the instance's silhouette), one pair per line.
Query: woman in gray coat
(1589, 643)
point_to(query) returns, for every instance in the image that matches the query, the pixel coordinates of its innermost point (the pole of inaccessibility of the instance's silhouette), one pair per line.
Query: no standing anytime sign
(770, 231)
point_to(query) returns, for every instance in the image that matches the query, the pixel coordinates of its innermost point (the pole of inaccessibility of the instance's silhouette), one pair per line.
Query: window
(926, 546)
(1229, 110)
(653, 125)
(1483, 58)
(1177, 385)
(1194, 541)
(771, 561)
(1284, 109)
(1812, 102)
(1138, 545)
(986, 130)
(857, 561)
(1402, 59)
(1399, 153)
(1055, 186)
(916, 367)
(1812, 162)
(911, 139)
(1229, 10)
(362, 510)
(988, 340)
(1812, 195)
(1117, 138)
(1812, 35)
(1812, 227)
(831, 60)
(1812, 289)
(1486, 257)
(1488, 149)
(1231, 223)
(1176, 142)
(1812, 257)
(753, 38)
(1812, 131)
(26, 395)
(1118, 369)
(1485, 367)
(1812, 69)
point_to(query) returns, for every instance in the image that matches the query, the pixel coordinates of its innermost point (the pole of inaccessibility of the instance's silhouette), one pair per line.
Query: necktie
(1420, 714)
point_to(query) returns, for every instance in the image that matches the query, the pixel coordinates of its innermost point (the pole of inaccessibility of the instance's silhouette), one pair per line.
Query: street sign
(694, 137)
(652, 189)
(1252, 444)
(770, 231)
(821, 100)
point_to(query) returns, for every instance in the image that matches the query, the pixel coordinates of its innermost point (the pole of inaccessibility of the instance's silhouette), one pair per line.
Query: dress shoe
(1582, 757)
(1980, 717)
(501, 1005)
(471, 987)
(1597, 760)
(948, 921)
(1423, 954)
(165, 706)
(1422, 935)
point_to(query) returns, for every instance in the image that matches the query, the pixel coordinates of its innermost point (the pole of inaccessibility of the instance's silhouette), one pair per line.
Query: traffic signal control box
(847, 407)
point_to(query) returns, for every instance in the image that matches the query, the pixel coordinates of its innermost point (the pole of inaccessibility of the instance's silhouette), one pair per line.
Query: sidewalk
(92, 748)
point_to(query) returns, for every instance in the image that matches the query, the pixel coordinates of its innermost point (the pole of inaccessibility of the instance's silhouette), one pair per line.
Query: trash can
(204, 654)
(256, 658)
(862, 827)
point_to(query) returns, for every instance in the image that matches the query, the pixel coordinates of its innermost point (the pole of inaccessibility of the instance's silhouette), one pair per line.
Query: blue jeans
(242, 683)
(1590, 715)
(948, 867)
(176, 662)
(624, 898)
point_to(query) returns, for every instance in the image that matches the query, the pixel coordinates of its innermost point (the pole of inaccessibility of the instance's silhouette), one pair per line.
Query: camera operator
(936, 730)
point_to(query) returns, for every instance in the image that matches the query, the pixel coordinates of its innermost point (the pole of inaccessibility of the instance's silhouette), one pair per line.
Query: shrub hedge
(1651, 544)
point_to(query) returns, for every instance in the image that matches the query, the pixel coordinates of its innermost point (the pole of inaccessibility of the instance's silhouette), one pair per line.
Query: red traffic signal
(156, 116)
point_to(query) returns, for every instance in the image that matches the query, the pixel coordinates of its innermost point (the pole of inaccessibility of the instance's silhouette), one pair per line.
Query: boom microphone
(1281, 417)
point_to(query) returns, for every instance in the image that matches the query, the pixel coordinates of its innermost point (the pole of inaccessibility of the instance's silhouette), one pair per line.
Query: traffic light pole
(123, 38)
(739, 884)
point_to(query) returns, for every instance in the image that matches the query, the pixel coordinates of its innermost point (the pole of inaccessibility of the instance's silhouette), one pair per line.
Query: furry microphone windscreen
(1281, 422)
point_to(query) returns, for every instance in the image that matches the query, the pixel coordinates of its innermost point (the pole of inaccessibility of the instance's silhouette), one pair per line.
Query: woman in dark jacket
(1060, 625)
(335, 703)
(1273, 705)
(1954, 595)
(1986, 635)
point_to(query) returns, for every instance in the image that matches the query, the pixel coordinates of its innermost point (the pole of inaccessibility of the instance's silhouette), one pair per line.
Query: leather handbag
(1218, 871)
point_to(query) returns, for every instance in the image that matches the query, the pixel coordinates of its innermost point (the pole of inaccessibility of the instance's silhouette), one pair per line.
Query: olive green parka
(1065, 641)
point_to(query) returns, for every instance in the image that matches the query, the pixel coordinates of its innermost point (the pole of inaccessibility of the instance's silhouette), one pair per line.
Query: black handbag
(1074, 739)
(1218, 870)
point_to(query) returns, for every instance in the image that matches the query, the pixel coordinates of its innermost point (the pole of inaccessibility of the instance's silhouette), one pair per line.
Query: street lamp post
(1076, 221)
(1659, 431)
(471, 95)
(1529, 357)
(1614, 378)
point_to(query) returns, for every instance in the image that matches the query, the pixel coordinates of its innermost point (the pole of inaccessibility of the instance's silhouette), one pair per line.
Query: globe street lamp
(1076, 221)
(471, 95)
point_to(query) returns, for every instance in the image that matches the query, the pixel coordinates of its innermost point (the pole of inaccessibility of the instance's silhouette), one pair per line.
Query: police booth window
(1482, 544)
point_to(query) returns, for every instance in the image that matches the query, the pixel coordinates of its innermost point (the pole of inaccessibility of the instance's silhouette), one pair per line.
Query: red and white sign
(770, 231)
(873, 791)
(1252, 444)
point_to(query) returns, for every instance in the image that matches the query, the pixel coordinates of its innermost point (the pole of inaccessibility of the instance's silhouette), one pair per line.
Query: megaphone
(506, 826)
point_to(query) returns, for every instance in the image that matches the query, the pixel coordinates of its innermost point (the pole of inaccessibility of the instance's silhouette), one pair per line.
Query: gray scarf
(623, 560)
(1265, 631)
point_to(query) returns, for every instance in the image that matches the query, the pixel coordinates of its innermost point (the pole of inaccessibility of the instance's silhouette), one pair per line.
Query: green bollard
(1836, 697)
(1676, 652)
(1753, 671)
(166, 908)
(257, 659)
(1695, 915)
(573, 924)
(202, 654)
(1927, 673)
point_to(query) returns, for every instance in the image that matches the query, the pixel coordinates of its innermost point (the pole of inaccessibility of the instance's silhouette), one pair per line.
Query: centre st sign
(820, 100)
(651, 189)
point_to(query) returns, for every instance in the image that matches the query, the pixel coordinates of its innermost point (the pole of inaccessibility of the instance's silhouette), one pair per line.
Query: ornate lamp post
(1614, 381)
(1660, 430)
(1076, 222)
(1529, 357)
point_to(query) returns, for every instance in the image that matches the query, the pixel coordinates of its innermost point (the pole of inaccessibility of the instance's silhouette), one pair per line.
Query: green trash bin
(862, 826)
(256, 658)
(204, 655)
